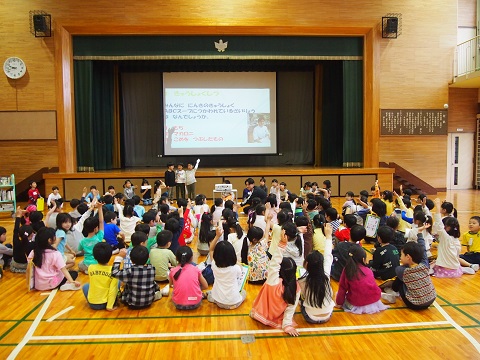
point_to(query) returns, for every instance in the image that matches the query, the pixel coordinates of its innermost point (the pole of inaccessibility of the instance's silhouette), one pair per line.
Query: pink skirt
(365, 309)
(443, 272)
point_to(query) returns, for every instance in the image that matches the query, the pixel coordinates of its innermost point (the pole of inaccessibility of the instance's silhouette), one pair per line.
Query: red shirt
(33, 195)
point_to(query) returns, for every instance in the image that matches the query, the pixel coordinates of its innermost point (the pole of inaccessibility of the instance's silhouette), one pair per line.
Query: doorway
(460, 161)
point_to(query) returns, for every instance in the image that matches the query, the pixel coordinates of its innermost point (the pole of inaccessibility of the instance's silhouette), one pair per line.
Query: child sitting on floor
(386, 257)
(161, 257)
(101, 291)
(413, 281)
(140, 290)
(358, 292)
(187, 280)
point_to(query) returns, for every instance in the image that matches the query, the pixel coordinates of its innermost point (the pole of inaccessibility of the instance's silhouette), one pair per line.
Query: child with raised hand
(93, 232)
(358, 291)
(161, 257)
(278, 298)
(386, 257)
(294, 247)
(234, 234)
(319, 238)
(205, 234)
(101, 291)
(128, 220)
(413, 280)
(140, 289)
(187, 280)
(190, 179)
(471, 239)
(448, 231)
(316, 291)
(225, 292)
(50, 269)
(112, 232)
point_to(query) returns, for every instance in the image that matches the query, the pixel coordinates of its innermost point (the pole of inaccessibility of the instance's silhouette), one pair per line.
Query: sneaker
(390, 298)
(386, 284)
(475, 267)
(69, 286)
(158, 295)
(468, 270)
(86, 272)
(165, 290)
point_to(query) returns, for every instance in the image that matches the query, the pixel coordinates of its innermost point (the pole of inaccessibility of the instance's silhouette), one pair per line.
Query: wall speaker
(392, 25)
(39, 23)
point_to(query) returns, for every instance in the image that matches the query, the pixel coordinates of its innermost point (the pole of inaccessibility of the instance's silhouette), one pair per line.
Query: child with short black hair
(139, 209)
(101, 291)
(112, 233)
(176, 227)
(471, 240)
(180, 180)
(343, 232)
(398, 237)
(128, 189)
(140, 289)
(55, 195)
(128, 220)
(386, 256)
(187, 280)
(33, 193)
(331, 215)
(413, 280)
(190, 179)
(161, 257)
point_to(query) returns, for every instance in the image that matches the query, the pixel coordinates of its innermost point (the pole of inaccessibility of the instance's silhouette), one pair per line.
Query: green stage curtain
(94, 94)
(84, 113)
(332, 114)
(352, 113)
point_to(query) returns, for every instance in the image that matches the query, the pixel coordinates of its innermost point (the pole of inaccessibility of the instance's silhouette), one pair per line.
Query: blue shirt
(61, 245)
(110, 233)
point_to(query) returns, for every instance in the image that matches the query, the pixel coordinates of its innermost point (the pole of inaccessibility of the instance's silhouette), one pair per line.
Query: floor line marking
(452, 322)
(33, 327)
(235, 332)
(44, 294)
(50, 319)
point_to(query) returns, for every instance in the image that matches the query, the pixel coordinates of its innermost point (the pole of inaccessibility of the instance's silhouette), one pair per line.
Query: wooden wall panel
(467, 10)
(24, 158)
(462, 109)
(26, 125)
(424, 156)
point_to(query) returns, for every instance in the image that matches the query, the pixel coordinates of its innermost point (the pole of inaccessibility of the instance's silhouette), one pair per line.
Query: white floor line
(235, 332)
(28, 336)
(452, 322)
(60, 313)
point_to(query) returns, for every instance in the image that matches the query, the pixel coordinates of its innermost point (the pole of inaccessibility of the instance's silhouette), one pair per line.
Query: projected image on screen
(219, 113)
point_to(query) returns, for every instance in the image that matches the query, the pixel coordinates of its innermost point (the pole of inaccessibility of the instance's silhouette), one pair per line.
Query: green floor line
(22, 319)
(455, 306)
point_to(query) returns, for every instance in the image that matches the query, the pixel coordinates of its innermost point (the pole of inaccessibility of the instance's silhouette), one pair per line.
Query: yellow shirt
(103, 288)
(472, 241)
(319, 241)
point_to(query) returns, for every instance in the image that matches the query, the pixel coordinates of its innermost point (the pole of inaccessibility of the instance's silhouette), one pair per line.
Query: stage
(342, 179)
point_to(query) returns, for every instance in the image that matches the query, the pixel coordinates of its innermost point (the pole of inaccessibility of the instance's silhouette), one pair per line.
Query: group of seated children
(293, 249)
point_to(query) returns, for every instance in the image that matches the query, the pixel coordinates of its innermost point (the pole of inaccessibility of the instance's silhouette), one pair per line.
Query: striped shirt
(420, 290)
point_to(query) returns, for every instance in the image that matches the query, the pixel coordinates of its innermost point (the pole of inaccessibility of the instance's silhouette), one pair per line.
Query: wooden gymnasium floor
(60, 324)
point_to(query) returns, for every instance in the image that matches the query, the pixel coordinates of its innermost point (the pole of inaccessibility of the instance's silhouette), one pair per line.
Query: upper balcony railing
(467, 57)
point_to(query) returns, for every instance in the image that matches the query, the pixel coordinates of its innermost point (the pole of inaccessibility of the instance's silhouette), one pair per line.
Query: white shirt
(225, 288)
(261, 134)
